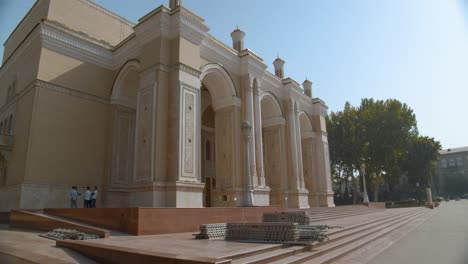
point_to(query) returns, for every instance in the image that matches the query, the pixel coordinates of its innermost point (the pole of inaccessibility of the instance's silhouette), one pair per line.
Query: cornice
(190, 26)
(288, 82)
(71, 44)
(52, 25)
(169, 68)
(70, 91)
(252, 64)
(130, 50)
(319, 107)
(273, 80)
(33, 40)
(164, 22)
(107, 12)
(214, 51)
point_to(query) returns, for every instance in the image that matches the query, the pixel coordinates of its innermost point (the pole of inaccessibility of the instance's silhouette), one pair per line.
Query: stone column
(293, 146)
(299, 148)
(284, 157)
(249, 117)
(258, 136)
(249, 199)
(322, 155)
(298, 196)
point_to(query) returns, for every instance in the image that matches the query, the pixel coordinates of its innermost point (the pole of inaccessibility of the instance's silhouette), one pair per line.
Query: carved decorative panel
(123, 144)
(145, 135)
(189, 132)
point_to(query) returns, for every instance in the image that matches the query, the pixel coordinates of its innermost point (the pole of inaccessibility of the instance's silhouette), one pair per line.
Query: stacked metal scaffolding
(262, 232)
(285, 227)
(208, 231)
(299, 217)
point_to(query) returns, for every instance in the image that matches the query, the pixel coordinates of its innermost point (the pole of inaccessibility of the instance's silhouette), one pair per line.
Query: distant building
(452, 172)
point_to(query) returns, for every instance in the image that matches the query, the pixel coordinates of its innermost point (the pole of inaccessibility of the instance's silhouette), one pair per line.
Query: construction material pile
(262, 232)
(299, 217)
(208, 231)
(313, 233)
(64, 234)
(283, 227)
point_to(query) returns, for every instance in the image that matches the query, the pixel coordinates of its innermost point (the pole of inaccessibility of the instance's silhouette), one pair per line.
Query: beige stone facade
(151, 113)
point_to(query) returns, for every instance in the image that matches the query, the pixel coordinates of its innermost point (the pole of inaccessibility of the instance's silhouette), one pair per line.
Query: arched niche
(124, 101)
(274, 149)
(308, 157)
(220, 129)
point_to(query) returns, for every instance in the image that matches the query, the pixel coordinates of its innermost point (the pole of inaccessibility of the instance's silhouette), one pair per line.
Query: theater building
(156, 114)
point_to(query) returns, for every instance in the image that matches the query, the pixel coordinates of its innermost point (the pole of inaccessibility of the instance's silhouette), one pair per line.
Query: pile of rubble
(68, 234)
(286, 227)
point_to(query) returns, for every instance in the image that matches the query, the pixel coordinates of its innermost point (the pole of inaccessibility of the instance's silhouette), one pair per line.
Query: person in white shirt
(94, 197)
(87, 196)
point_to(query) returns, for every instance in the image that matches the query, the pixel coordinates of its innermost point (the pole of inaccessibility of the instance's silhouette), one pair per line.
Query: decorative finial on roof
(173, 4)
(238, 39)
(279, 67)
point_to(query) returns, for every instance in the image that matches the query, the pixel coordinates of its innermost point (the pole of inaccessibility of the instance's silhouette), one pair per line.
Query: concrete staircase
(324, 213)
(342, 242)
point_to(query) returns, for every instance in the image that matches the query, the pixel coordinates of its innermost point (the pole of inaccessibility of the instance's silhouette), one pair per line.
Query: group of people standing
(90, 197)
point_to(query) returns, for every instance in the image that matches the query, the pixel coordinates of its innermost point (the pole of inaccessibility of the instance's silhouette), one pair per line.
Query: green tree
(376, 134)
(344, 148)
(387, 127)
(422, 159)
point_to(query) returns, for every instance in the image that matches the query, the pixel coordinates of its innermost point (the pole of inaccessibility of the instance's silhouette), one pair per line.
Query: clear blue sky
(415, 51)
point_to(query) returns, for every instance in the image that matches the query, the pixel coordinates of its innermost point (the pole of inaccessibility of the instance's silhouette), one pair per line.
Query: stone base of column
(314, 199)
(298, 199)
(327, 200)
(185, 194)
(261, 196)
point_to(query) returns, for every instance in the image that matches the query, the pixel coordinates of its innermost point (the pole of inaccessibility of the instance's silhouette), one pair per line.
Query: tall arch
(220, 85)
(122, 92)
(223, 170)
(274, 148)
(308, 157)
(124, 104)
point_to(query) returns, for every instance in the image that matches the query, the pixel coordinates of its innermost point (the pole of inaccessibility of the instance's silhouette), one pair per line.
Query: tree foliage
(383, 135)
(420, 164)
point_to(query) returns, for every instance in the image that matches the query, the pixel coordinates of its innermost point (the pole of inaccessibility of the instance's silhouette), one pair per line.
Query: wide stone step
(344, 232)
(334, 216)
(351, 247)
(361, 228)
(376, 247)
(254, 251)
(268, 257)
(370, 222)
(357, 238)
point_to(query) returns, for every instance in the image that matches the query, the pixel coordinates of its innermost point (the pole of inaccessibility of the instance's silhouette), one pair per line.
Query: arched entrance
(220, 137)
(310, 180)
(208, 143)
(124, 104)
(273, 129)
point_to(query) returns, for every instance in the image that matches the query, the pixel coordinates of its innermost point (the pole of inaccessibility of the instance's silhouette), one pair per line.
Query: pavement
(443, 239)
(25, 246)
